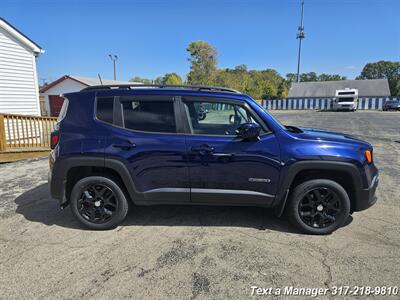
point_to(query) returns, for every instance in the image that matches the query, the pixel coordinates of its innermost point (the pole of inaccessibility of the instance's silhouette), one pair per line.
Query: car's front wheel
(98, 202)
(318, 206)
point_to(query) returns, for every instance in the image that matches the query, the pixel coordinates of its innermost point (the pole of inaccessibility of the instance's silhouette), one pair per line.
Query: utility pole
(300, 36)
(114, 58)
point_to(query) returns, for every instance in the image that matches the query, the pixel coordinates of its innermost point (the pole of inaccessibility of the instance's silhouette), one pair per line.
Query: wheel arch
(346, 174)
(70, 170)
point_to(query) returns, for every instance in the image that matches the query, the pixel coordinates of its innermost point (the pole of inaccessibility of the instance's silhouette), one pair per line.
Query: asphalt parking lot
(180, 252)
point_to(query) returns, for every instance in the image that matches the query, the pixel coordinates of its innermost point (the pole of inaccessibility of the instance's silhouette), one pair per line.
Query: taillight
(54, 139)
(368, 156)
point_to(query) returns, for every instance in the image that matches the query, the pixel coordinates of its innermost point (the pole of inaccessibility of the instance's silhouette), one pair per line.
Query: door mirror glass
(249, 131)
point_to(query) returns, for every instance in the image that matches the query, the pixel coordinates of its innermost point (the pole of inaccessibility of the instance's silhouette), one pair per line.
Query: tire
(98, 203)
(318, 206)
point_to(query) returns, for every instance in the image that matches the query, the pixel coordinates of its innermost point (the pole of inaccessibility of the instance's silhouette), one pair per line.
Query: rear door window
(149, 115)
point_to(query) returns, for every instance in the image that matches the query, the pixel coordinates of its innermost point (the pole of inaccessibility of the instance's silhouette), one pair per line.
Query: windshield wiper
(293, 129)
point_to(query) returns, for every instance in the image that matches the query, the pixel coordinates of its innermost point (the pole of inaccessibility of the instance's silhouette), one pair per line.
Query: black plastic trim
(174, 86)
(223, 196)
(60, 170)
(289, 173)
(63, 165)
(364, 198)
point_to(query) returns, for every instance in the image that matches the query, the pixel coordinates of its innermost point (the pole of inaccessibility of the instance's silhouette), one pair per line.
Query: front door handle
(127, 146)
(203, 149)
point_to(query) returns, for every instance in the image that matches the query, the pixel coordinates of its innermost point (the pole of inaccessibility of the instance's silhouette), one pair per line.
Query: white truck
(346, 99)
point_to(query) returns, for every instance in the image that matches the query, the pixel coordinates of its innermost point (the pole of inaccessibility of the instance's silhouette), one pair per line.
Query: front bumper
(367, 197)
(345, 107)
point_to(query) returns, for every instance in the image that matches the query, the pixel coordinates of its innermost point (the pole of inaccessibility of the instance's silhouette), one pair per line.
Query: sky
(151, 37)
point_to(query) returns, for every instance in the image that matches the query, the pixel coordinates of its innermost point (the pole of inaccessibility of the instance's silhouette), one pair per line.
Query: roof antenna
(101, 82)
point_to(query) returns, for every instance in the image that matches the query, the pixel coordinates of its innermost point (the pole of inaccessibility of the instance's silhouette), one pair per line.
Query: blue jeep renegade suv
(153, 145)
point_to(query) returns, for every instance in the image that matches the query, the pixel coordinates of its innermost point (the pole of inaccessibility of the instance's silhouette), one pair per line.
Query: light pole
(114, 58)
(300, 36)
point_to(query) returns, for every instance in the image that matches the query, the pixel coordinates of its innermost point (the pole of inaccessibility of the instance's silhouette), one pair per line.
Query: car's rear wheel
(98, 202)
(318, 206)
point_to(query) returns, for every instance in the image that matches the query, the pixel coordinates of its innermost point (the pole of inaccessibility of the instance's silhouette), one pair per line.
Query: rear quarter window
(63, 111)
(105, 109)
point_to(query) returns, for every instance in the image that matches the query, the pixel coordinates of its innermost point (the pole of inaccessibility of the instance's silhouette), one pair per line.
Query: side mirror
(249, 131)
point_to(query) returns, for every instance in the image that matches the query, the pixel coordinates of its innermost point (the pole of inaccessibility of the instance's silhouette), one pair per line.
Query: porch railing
(18, 132)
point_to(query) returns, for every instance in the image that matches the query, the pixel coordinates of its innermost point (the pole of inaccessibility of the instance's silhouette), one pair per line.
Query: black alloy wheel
(98, 203)
(319, 207)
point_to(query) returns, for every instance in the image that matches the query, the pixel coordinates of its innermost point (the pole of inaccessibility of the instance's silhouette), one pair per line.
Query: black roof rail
(173, 86)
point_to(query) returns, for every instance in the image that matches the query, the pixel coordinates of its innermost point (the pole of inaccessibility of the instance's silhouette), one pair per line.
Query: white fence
(364, 103)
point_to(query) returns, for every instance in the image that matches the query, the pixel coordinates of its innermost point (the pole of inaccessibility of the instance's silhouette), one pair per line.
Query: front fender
(289, 173)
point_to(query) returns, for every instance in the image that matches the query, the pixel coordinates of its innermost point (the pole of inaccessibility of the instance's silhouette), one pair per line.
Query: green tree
(203, 60)
(291, 77)
(311, 76)
(329, 77)
(283, 90)
(397, 92)
(240, 68)
(172, 78)
(389, 70)
(158, 80)
(258, 84)
(142, 80)
(168, 78)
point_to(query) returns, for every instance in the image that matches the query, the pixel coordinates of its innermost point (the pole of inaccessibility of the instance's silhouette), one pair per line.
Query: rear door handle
(203, 149)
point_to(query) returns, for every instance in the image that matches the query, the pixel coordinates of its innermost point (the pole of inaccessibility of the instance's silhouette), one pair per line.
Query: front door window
(216, 118)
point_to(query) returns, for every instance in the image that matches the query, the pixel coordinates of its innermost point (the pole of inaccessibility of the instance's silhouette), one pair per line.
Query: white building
(68, 84)
(19, 92)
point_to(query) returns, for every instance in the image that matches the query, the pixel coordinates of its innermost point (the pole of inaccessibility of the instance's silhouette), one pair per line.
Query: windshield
(346, 99)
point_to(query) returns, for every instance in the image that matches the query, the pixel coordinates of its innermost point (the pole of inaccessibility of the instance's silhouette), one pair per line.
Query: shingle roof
(88, 81)
(20, 36)
(327, 89)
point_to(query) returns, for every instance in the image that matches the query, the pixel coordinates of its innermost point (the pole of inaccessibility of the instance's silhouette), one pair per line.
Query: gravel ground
(180, 252)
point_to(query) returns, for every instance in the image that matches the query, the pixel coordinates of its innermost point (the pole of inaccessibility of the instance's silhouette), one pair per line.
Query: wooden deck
(23, 137)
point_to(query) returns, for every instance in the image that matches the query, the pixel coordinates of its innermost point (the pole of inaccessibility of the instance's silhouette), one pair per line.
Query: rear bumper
(56, 182)
(367, 197)
(57, 189)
